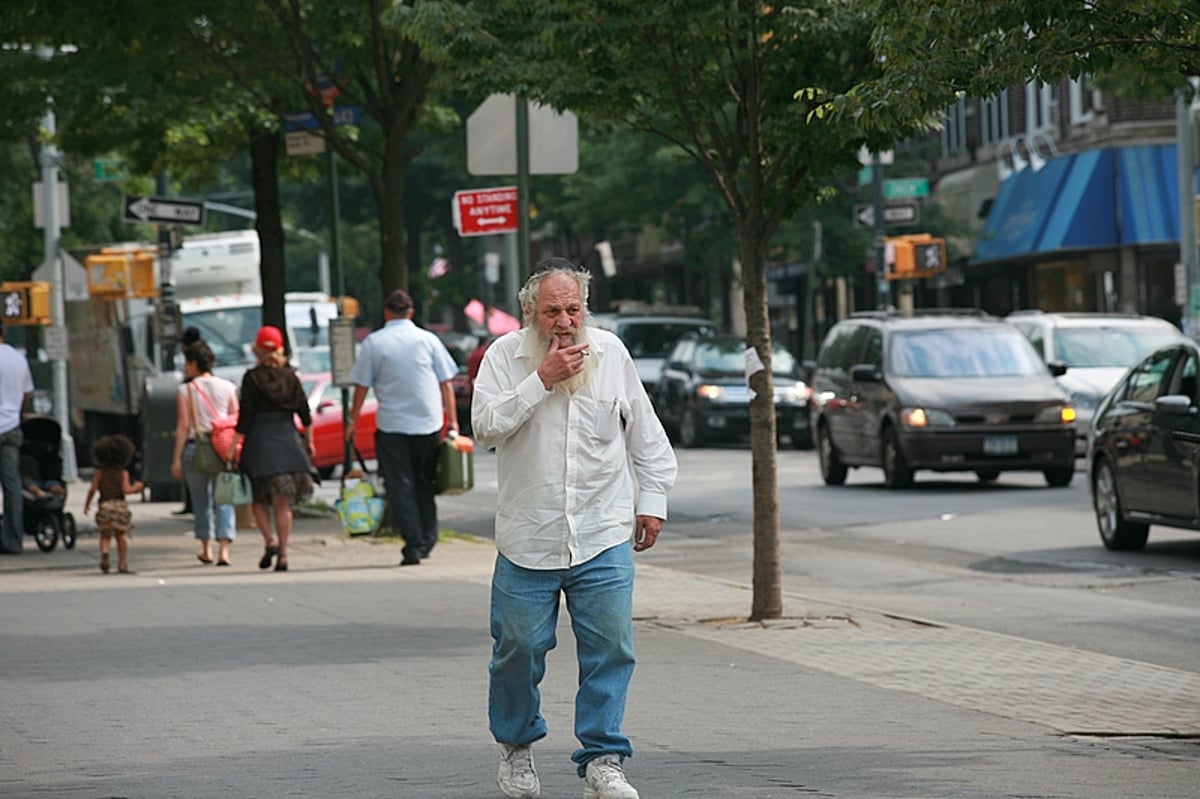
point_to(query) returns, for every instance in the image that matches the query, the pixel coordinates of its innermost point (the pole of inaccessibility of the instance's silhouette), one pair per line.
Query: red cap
(269, 338)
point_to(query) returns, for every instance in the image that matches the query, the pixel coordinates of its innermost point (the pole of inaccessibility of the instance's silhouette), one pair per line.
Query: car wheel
(68, 531)
(46, 533)
(1059, 477)
(833, 471)
(987, 475)
(896, 472)
(1116, 533)
(689, 430)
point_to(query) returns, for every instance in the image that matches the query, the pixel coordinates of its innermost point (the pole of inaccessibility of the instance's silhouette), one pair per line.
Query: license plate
(999, 445)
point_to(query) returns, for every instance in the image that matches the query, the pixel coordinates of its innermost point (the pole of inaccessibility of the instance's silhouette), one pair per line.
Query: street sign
(107, 169)
(902, 213)
(903, 188)
(492, 139)
(483, 212)
(164, 210)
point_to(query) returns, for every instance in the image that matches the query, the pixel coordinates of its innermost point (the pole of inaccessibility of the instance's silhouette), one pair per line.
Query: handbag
(219, 439)
(359, 508)
(232, 488)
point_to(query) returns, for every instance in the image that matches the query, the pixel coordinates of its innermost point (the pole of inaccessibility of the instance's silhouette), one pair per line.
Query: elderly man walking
(584, 468)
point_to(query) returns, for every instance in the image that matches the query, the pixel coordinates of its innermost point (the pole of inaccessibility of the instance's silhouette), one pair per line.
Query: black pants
(409, 468)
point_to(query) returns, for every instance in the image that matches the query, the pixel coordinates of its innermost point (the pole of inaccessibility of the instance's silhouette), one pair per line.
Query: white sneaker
(517, 777)
(606, 780)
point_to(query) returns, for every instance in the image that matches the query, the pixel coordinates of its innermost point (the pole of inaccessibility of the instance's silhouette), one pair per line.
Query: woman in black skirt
(274, 455)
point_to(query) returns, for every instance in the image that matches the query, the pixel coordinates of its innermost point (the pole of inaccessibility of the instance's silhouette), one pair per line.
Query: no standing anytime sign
(482, 212)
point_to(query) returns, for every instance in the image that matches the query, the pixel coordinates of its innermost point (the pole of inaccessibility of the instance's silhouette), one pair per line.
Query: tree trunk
(767, 600)
(393, 255)
(264, 170)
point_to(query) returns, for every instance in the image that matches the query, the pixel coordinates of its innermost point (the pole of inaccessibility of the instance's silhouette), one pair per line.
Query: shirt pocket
(601, 418)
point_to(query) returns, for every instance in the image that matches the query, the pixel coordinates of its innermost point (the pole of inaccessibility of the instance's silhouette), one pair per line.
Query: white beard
(541, 346)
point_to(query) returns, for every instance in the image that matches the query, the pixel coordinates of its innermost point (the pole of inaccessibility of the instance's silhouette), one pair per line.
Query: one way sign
(902, 213)
(164, 210)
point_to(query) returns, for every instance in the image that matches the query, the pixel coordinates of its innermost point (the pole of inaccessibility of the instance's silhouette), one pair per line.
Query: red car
(325, 403)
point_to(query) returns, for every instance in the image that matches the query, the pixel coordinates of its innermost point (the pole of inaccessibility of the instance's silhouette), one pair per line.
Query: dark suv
(945, 391)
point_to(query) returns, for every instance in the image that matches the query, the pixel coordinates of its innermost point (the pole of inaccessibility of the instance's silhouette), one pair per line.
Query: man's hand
(561, 363)
(351, 423)
(645, 532)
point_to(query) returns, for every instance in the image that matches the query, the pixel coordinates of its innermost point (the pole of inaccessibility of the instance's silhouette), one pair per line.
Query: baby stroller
(43, 490)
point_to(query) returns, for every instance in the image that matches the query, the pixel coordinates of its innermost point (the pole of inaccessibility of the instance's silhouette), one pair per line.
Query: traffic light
(26, 303)
(119, 273)
(915, 256)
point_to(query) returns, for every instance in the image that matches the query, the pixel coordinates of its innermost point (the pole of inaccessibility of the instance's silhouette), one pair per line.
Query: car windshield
(963, 352)
(728, 356)
(655, 339)
(1097, 347)
(229, 332)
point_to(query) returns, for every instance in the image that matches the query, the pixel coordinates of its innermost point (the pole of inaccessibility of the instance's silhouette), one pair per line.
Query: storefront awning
(1069, 204)
(1149, 192)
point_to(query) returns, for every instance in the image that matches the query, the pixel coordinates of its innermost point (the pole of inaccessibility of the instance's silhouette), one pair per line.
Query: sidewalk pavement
(830, 700)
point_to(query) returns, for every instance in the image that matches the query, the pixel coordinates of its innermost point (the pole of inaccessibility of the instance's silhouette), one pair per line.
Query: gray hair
(528, 295)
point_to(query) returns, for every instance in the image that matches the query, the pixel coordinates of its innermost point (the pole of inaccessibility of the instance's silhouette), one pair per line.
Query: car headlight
(1056, 414)
(1085, 401)
(926, 417)
(709, 392)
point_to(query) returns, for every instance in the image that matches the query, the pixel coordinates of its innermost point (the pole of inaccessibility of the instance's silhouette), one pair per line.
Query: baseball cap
(398, 301)
(269, 338)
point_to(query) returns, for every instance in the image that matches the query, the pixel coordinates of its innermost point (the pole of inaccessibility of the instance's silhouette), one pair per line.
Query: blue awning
(1068, 204)
(1149, 194)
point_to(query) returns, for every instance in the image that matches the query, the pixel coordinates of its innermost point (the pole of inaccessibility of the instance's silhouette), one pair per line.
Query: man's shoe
(517, 777)
(410, 560)
(606, 780)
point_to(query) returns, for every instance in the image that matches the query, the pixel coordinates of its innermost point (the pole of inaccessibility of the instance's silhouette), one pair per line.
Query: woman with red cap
(275, 457)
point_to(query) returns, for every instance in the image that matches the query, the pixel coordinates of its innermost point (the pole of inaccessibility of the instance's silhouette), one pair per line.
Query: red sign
(482, 212)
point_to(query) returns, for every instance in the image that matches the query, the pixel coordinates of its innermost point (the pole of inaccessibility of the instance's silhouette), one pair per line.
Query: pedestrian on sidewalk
(584, 468)
(410, 370)
(201, 398)
(277, 458)
(111, 456)
(16, 384)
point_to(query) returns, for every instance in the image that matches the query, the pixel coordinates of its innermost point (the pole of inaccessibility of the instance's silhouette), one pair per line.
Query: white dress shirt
(573, 469)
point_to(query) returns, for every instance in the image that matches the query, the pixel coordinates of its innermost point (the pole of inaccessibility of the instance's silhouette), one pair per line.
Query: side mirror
(1057, 368)
(325, 405)
(1175, 404)
(865, 373)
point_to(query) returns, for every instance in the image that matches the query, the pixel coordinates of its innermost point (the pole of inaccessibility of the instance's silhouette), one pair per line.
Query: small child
(112, 454)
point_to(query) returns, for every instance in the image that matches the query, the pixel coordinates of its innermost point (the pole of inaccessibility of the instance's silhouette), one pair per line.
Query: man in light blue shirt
(410, 370)
(16, 383)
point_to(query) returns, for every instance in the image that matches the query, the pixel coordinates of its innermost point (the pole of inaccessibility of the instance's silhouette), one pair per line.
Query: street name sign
(164, 210)
(901, 213)
(484, 212)
(903, 188)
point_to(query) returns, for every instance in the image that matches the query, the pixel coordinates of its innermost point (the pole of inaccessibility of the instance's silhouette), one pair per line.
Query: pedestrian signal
(25, 303)
(914, 256)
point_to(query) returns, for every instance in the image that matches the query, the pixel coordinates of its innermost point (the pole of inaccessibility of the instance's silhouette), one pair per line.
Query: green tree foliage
(717, 80)
(932, 50)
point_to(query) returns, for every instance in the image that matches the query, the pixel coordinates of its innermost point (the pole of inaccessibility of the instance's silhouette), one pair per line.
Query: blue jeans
(13, 531)
(524, 619)
(200, 487)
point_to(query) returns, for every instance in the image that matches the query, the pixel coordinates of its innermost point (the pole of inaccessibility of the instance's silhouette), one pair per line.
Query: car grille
(994, 418)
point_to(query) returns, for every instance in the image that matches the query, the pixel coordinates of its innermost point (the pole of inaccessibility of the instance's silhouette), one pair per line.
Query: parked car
(1144, 447)
(464, 388)
(325, 404)
(1097, 349)
(702, 393)
(649, 334)
(945, 391)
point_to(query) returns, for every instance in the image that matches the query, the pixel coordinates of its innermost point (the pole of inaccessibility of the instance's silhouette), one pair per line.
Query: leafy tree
(717, 80)
(934, 49)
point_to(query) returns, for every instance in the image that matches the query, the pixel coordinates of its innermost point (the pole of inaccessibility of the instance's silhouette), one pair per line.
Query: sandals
(223, 562)
(200, 556)
(269, 555)
(281, 566)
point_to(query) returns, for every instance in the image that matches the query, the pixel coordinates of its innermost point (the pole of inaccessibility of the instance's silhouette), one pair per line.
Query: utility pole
(1187, 210)
(50, 157)
(883, 295)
